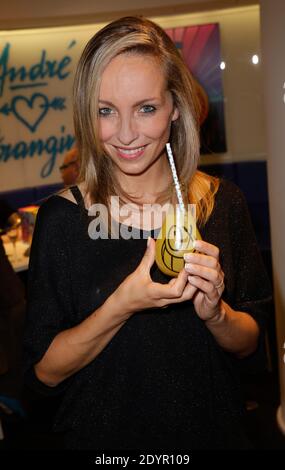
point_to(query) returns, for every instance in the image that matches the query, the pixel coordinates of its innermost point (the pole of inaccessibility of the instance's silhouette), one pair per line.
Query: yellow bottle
(176, 237)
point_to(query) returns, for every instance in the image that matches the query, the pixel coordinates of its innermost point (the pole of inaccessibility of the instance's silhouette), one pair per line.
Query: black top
(162, 381)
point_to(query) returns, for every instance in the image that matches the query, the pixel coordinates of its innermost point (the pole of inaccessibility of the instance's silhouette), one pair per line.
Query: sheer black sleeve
(49, 290)
(252, 289)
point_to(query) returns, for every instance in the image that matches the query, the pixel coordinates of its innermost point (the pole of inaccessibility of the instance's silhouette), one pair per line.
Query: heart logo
(30, 111)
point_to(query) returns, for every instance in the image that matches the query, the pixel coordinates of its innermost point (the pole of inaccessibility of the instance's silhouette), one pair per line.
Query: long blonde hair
(139, 36)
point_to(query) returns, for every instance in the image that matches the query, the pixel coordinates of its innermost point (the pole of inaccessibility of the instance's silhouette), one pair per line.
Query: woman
(143, 361)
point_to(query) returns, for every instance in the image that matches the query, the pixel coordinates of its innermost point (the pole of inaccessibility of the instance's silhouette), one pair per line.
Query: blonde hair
(139, 35)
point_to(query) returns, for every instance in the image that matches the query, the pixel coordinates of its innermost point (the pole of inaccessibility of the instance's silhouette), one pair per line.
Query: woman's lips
(130, 154)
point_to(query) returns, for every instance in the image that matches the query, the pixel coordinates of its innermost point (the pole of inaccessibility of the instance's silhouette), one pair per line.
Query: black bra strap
(77, 195)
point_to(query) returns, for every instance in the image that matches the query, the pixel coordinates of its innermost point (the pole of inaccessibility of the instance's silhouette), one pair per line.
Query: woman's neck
(147, 187)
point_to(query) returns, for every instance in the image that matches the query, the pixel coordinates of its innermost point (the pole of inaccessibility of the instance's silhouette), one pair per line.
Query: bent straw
(175, 177)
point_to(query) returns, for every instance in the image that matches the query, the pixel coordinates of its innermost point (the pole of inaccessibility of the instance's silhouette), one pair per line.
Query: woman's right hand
(74, 348)
(138, 291)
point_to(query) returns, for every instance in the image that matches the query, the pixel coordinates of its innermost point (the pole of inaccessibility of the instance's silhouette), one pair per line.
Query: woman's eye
(105, 111)
(148, 108)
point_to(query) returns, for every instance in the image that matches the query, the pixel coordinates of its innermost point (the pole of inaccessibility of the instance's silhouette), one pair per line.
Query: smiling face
(135, 113)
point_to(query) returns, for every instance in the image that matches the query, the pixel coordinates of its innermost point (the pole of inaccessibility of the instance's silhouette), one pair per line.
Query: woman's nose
(128, 131)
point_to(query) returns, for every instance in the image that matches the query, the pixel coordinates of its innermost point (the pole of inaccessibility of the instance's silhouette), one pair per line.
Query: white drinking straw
(175, 177)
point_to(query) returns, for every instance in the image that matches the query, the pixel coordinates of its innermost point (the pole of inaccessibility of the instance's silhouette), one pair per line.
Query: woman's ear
(175, 114)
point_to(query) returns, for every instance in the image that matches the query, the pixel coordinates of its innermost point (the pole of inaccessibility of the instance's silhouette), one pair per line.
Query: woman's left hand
(206, 274)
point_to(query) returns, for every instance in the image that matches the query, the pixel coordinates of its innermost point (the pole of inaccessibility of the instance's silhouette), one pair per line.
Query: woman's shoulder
(58, 206)
(220, 196)
(230, 202)
(222, 187)
(230, 192)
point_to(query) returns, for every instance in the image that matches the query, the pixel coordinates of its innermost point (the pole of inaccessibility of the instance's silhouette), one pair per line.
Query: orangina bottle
(178, 231)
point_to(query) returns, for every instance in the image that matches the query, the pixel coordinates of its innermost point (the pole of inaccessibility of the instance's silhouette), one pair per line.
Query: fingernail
(148, 241)
(194, 243)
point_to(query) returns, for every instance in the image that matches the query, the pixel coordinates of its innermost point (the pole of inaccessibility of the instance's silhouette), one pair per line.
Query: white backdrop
(36, 76)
